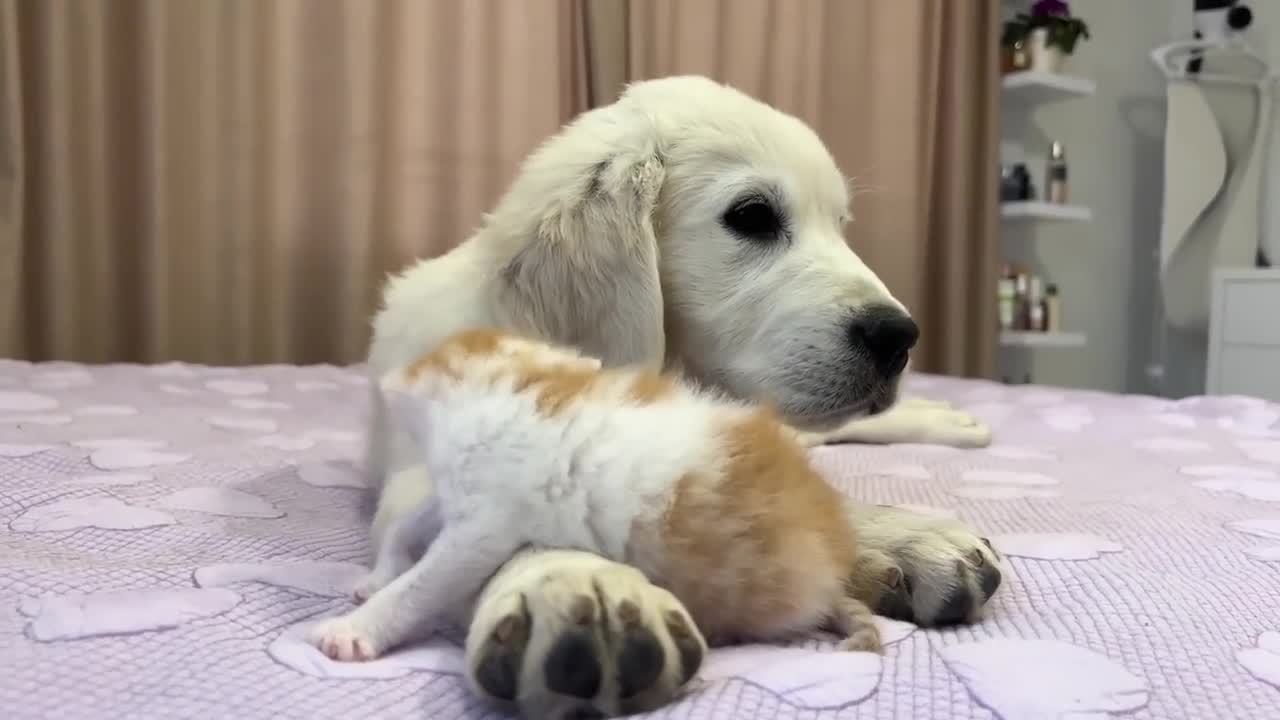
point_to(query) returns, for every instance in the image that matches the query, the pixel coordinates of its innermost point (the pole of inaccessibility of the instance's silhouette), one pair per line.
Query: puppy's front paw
(570, 634)
(922, 569)
(914, 420)
(342, 640)
(858, 623)
(942, 424)
(865, 639)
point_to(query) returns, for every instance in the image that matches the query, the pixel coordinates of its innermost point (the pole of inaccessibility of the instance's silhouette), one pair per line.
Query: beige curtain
(228, 181)
(906, 95)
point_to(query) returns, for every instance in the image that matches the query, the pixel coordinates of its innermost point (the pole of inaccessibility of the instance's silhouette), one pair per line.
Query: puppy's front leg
(450, 573)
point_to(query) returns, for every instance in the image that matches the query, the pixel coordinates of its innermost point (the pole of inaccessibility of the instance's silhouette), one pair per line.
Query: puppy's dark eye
(755, 220)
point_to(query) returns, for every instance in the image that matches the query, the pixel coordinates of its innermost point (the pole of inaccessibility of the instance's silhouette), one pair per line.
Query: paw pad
(582, 610)
(628, 612)
(640, 662)
(690, 649)
(508, 628)
(572, 667)
(498, 670)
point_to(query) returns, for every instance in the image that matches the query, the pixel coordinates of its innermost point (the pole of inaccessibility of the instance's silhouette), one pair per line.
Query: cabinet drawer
(1252, 313)
(1249, 370)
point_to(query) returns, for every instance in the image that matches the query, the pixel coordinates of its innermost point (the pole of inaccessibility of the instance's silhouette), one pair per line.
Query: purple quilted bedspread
(165, 533)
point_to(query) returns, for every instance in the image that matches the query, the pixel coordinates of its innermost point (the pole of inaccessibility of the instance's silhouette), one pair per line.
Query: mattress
(168, 531)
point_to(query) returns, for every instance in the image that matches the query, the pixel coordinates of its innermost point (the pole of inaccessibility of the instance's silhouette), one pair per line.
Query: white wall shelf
(1033, 88)
(1014, 338)
(1021, 93)
(1036, 210)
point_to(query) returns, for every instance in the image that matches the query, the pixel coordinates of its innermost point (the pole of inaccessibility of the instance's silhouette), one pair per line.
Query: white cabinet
(1244, 334)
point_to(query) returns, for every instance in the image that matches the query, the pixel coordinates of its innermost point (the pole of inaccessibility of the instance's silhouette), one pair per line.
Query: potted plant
(1049, 32)
(1013, 47)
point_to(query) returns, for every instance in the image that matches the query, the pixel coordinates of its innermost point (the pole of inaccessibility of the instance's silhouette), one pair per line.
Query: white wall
(1106, 269)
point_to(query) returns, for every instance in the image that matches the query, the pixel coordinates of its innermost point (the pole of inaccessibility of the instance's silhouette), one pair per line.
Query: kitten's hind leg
(853, 619)
(451, 573)
(404, 541)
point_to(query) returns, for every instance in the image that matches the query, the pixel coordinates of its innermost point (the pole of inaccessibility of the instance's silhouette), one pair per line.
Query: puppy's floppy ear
(584, 270)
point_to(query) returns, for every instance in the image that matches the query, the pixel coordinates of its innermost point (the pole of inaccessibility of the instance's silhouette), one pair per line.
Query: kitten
(534, 445)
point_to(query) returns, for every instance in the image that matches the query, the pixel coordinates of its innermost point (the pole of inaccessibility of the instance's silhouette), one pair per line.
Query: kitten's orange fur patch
(556, 388)
(556, 384)
(458, 347)
(761, 544)
(647, 387)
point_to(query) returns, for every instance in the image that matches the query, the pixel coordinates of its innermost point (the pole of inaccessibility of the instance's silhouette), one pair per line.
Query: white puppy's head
(692, 223)
(764, 296)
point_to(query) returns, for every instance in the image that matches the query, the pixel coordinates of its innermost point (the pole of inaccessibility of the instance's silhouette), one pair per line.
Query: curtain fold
(229, 182)
(906, 96)
(12, 184)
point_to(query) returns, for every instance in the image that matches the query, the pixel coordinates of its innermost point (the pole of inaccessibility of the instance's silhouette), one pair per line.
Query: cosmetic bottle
(1052, 310)
(1055, 185)
(1035, 304)
(1005, 298)
(1010, 184)
(1020, 183)
(1020, 296)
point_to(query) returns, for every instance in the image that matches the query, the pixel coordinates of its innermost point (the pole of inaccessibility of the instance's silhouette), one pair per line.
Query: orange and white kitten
(534, 445)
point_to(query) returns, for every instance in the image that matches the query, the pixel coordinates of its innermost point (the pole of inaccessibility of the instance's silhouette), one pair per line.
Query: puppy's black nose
(887, 334)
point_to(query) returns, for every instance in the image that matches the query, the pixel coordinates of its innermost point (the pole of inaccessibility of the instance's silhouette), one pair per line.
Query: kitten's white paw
(342, 640)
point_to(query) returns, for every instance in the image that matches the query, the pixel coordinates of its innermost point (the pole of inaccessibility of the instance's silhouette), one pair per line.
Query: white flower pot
(1043, 57)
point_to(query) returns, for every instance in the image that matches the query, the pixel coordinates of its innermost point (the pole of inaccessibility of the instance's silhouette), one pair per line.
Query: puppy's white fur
(532, 444)
(612, 240)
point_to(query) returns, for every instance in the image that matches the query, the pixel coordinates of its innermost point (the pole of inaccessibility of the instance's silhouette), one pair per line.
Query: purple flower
(1050, 8)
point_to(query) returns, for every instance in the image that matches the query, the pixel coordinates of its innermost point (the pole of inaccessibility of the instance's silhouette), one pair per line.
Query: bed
(169, 530)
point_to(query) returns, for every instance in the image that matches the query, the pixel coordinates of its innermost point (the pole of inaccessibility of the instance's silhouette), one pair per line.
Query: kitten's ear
(586, 269)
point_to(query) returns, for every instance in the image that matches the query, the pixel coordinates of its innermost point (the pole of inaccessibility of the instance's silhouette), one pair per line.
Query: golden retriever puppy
(690, 228)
